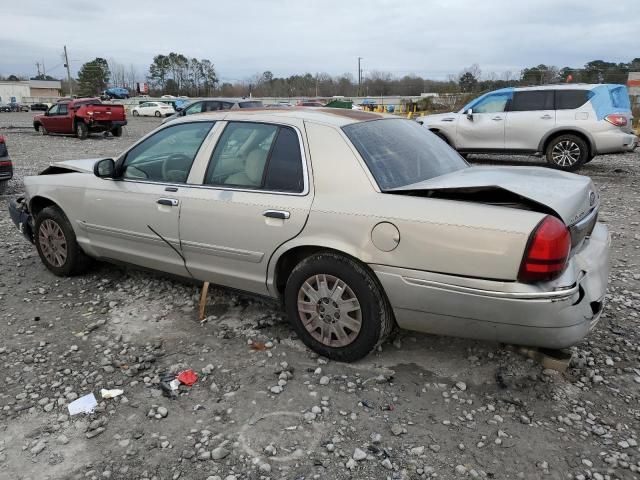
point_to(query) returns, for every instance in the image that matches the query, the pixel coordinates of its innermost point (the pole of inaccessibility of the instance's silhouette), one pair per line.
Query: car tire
(56, 244)
(40, 128)
(363, 327)
(117, 132)
(591, 157)
(3, 186)
(82, 131)
(157, 114)
(135, 113)
(567, 152)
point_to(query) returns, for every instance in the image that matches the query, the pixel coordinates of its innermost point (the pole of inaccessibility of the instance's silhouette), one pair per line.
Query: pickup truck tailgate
(104, 112)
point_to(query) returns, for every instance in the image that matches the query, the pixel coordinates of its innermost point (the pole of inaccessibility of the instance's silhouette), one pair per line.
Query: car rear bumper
(21, 217)
(614, 141)
(506, 312)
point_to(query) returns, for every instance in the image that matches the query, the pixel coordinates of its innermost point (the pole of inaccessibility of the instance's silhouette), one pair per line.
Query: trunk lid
(571, 197)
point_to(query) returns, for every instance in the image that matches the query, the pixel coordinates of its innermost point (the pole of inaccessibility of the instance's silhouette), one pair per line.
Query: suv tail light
(616, 119)
(545, 257)
(1, 139)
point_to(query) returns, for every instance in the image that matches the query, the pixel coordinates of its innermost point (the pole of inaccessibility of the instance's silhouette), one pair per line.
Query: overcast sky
(431, 38)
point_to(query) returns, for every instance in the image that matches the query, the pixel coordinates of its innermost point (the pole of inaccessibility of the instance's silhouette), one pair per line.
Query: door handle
(282, 214)
(171, 202)
(497, 118)
(546, 117)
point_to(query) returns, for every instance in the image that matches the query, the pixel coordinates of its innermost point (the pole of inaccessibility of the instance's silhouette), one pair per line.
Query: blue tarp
(503, 91)
(610, 98)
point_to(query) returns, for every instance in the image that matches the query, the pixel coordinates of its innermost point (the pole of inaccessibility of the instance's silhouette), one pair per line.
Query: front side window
(195, 108)
(495, 103)
(401, 152)
(530, 100)
(255, 104)
(257, 156)
(168, 155)
(63, 109)
(54, 110)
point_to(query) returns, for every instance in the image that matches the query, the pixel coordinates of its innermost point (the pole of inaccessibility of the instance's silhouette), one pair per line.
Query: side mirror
(105, 168)
(179, 109)
(469, 113)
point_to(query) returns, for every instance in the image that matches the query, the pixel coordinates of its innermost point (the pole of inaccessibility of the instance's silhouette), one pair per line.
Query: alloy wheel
(566, 153)
(53, 243)
(329, 310)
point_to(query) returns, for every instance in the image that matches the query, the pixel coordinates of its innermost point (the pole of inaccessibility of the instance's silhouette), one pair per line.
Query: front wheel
(158, 114)
(56, 244)
(135, 113)
(337, 307)
(117, 132)
(567, 152)
(82, 131)
(40, 128)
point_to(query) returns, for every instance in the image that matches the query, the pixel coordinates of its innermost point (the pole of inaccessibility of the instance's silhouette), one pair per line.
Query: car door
(483, 129)
(135, 217)
(530, 115)
(64, 121)
(255, 195)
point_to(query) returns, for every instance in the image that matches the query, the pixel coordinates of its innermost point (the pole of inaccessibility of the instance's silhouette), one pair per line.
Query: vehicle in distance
(357, 221)
(41, 107)
(152, 109)
(213, 105)
(6, 165)
(115, 92)
(569, 124)
(5, 108)
(310, 103)
(81, 117)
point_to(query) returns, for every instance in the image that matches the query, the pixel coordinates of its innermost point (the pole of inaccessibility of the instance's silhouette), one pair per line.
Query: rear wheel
(337, 307)
(56, 244)
(82, 131)
(135, 113)
(158, 114)
(567, 152)
(3, 186)
(117, 132)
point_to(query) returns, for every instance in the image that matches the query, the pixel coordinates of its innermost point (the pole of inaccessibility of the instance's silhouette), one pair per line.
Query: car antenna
(184, 261)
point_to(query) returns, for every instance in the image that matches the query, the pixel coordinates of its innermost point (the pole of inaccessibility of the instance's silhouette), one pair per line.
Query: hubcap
(565, 153)
(329, 310)
(53, 243)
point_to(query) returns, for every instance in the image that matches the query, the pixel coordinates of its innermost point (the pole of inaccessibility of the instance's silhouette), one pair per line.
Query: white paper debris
(85, 404)
(174, 384)
(111, 393)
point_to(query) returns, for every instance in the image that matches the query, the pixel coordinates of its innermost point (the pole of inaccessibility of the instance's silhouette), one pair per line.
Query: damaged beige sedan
(358, 222)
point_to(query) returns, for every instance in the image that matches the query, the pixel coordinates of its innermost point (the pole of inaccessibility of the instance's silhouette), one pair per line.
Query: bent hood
(569, 195)
(83, 166)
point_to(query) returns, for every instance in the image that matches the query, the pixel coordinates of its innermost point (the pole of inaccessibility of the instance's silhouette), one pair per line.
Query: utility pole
(38, 67)
(359, 76)
(66, 64)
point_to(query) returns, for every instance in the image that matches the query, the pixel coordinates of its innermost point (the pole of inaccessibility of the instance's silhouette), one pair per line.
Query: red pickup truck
(81, 116)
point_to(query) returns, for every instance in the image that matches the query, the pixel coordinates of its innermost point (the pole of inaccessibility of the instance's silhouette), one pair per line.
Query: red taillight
(547, 251)
(6, 163)
(616, 119)
(1, 139)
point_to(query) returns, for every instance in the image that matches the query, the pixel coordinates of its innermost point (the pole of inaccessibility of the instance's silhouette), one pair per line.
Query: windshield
(401, 152)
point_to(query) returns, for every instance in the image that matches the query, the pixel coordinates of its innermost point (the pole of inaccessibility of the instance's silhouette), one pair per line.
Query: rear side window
(532, 100)
(257, 156)
(256, 104)
(570, 99)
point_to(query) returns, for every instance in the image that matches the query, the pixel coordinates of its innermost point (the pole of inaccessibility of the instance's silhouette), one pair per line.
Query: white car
(154, 109)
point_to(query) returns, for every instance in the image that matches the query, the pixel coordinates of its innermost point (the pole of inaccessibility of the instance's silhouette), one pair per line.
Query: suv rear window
(570, 99)
(401, 152)
(532, 100)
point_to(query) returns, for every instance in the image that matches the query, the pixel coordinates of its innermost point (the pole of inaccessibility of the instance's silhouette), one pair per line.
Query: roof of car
(560, 86)
(333, 116)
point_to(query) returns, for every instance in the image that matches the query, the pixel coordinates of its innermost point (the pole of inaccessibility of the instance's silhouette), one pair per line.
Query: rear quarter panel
(436, 235)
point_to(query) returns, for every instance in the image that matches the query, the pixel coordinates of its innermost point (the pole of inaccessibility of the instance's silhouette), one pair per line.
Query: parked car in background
(569, 124)
(357, 221)
(153, 109)
(115, 92)
(81, 117)
(310, 103)
(43, 107)
(6, 165)
(213, 105)
(5, 108)
(18, 107)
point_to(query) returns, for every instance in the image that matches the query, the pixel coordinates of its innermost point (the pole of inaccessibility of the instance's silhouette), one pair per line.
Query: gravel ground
(263, 406)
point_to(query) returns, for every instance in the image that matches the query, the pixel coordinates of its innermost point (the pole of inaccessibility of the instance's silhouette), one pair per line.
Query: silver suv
(568, 124)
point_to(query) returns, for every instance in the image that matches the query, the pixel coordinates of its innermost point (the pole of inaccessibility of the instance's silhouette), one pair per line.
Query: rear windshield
(401, 152)
(257, 104)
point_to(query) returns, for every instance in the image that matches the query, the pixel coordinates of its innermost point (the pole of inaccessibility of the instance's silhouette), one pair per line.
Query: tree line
(177, 74)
